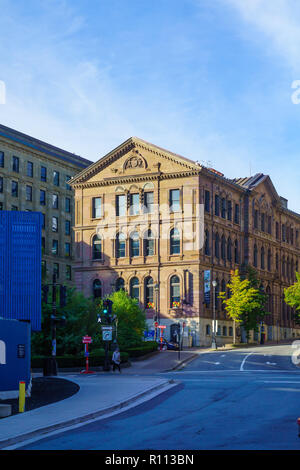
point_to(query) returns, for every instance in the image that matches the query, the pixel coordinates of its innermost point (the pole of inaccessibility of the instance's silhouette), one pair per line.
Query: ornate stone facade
(153, 222)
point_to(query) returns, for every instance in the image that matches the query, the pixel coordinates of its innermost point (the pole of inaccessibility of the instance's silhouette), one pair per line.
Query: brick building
(163, 227)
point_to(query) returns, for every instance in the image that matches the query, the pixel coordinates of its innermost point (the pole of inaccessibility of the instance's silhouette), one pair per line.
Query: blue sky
(208, 79)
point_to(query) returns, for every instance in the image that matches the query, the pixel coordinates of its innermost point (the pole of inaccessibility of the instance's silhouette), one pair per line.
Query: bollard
(298, 421)
(21, 397)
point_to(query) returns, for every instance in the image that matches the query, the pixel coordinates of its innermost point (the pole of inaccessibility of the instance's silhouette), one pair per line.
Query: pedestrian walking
(116, 360)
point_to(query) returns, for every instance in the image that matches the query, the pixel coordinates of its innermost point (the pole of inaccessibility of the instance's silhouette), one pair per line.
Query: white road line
(244, 360)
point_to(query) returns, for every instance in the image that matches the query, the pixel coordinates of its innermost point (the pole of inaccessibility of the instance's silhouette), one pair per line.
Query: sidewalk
(101, 394)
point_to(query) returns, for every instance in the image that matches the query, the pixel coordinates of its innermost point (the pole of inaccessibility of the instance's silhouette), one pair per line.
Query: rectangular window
(67, 249)
(30, 169)
(207, 201)
(134, 204)
(229, 210)
(67, 227)
(1, 184)
(56, 178)
(14, 188)
(121, 205)
(42, 197)
(15, 164)
(43, 220)
(54, 247)
(149, 202)
(56, 270)
(43, 173)
(223, 208)
(54, 224)
(236, 214)
(1, 206)
(174, 200)
(68, 272)
(2, 159)
(217, 205)
(96, 207)
(54, 201)
(68, 205)
(68, 187)
(28, 193)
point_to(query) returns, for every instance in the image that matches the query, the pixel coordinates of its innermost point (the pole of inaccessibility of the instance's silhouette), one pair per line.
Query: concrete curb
(42, 432)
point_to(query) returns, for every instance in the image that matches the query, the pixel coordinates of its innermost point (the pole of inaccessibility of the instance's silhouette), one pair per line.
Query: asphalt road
(241, 399)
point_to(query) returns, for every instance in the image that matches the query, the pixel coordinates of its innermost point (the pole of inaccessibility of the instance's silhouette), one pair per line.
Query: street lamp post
(214, 343)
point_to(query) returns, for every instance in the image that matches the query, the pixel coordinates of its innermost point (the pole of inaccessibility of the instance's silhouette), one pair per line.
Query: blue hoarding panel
(14, 354)
(20, 266)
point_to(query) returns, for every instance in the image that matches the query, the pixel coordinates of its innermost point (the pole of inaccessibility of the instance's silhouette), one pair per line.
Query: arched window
(230, 331)
(223, 248)
(174, 291)
(206, 246)
(236, 252)
(134, 288)
(229, 249)
(224, 330)
(97, 288)
(262, 258)
(97, 247)
(174, 241)
(120, 245)
(255, 256)
(148, 243)
(134, 244)
(269, 260)
(149, 293)
(207, 329)
(120, 284)
(217, 246)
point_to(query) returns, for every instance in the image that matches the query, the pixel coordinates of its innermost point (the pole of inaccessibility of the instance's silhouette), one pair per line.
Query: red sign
(156, 324)
(86, 339)
(161, 326)
(183, 324)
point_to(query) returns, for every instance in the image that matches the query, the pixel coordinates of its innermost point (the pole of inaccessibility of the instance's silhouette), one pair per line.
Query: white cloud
(278, 21)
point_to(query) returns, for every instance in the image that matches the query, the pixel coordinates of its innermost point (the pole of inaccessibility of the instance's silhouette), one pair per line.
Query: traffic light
(63, 296)
(45, 290)
(107, 310)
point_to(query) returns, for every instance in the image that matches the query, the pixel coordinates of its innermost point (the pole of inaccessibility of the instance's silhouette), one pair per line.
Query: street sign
(87, 340)
(162, 326)
(156, 324)
(107, 333)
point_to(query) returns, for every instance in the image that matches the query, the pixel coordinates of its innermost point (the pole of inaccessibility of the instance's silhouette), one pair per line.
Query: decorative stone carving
(134, 162)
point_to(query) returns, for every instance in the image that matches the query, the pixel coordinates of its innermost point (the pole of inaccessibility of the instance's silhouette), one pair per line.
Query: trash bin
(49, 366)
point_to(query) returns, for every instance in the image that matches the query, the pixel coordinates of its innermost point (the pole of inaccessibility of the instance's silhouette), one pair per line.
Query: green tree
(131, 320)
(292, 297)
(81, 320)
(245, 304)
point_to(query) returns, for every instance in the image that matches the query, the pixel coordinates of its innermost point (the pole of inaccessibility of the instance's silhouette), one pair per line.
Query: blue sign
(207, 286)
(14, 354)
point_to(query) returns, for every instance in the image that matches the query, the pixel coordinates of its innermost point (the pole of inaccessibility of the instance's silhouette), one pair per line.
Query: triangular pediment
(135, 157)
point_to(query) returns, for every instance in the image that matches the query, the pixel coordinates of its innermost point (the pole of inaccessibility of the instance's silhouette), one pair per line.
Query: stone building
(34, 176)
(163, 227)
